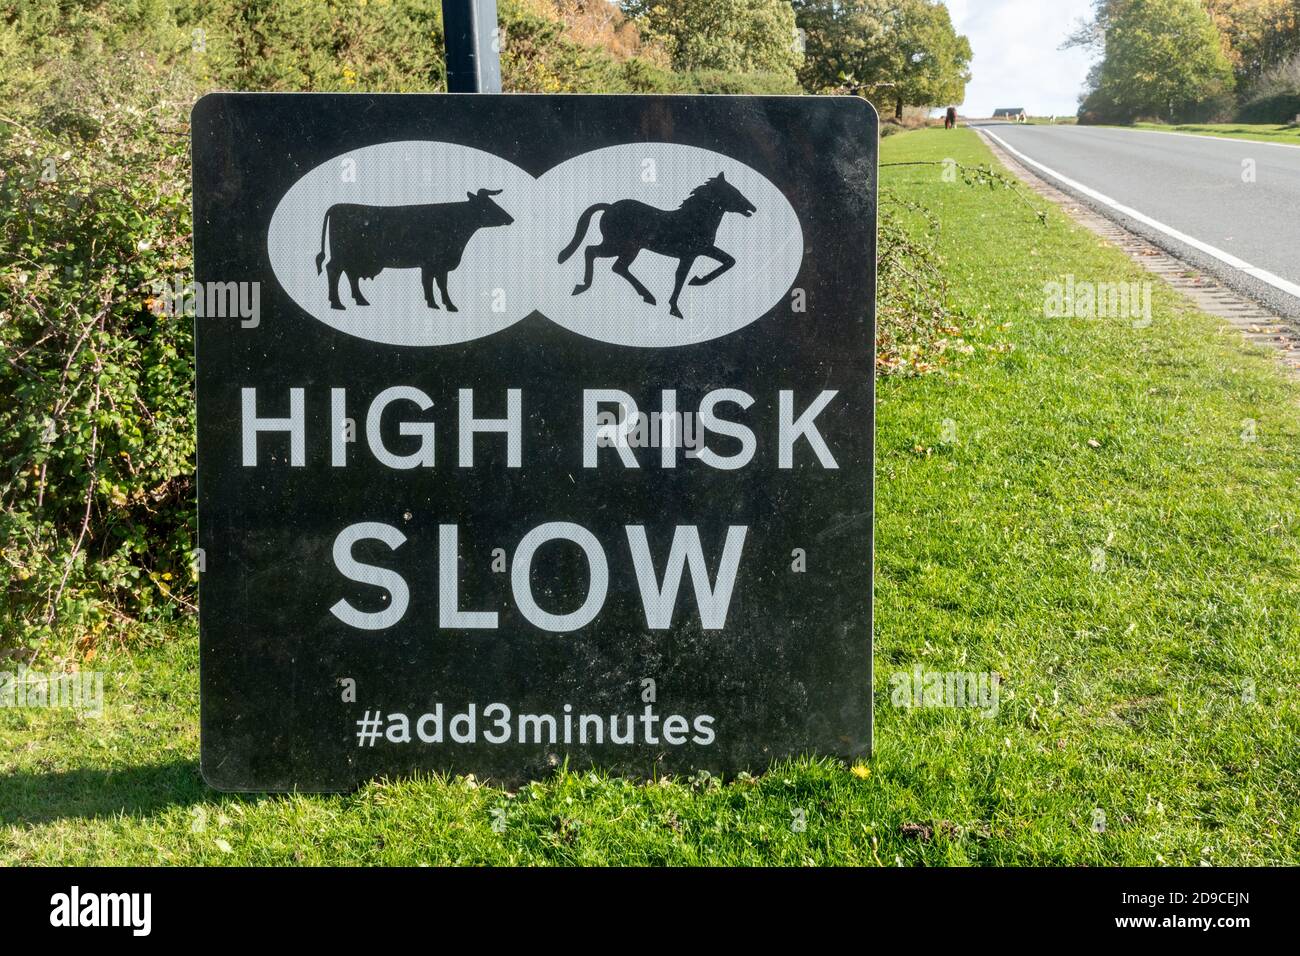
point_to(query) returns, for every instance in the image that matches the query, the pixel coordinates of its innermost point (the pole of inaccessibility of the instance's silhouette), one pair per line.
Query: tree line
(1192, 61)
(896, 53)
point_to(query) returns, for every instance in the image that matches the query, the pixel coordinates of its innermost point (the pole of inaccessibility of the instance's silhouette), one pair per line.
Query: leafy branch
(981, 176)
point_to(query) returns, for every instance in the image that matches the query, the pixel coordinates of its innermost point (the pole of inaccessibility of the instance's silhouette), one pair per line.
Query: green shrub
(1276, 97)
(642, 76)
(537, 57)
(1278, 108)
(96, 430)
(914, 324)
(753, 84)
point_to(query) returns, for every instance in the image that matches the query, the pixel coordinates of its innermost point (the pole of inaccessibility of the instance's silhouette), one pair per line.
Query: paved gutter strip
(1255, 322)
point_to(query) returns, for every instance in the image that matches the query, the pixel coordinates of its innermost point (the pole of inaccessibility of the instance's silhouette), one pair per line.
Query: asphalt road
(1192, 195)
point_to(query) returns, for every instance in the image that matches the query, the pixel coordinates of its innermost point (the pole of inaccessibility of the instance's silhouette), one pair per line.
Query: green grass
(1124, 685)
(1264, 132)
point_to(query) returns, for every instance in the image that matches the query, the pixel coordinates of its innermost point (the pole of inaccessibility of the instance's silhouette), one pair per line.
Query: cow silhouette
(628, 227)
(366, 240)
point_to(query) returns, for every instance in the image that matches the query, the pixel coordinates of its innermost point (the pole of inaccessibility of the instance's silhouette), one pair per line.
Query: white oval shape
(391, 175)
(678, 208)
(767, 246)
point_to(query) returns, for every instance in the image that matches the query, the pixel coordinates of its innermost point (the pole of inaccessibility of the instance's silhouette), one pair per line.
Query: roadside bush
(914, 325)
(1211, 108)
(753, 84)
(1276, 97)
(537, 57)
(334, 45)
(1279, 108)
(96, 431)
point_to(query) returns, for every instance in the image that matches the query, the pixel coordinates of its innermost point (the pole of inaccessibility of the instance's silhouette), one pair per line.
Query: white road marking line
(1227, 258)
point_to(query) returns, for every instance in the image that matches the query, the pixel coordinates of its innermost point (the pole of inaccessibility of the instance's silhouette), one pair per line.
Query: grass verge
(1102, 515)
(1264, 132)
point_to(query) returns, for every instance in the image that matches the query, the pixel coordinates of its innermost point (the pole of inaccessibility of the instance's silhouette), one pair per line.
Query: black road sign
(532, 429)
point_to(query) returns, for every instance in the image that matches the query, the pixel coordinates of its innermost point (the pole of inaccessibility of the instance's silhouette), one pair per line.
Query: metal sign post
(473, 45)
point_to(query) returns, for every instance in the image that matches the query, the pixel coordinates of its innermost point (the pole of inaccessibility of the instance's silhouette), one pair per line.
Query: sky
(1017, 57)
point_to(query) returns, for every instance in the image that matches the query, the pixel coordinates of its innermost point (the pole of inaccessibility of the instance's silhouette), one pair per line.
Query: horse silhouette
(628, 227)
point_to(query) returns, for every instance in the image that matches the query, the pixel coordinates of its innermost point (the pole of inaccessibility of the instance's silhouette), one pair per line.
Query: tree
(1260, 34)
(1161, 58)
(895, 52)
(738, 36)
(844, 40)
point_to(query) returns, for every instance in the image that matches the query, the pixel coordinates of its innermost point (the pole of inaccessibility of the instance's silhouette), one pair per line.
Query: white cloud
(1018, 60)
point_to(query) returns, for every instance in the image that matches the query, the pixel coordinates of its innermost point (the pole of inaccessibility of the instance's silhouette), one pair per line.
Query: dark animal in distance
(950, 118)
(629, 227)
(366, 240)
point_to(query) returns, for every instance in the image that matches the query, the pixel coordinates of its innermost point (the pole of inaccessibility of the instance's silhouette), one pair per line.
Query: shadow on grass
(33, 798)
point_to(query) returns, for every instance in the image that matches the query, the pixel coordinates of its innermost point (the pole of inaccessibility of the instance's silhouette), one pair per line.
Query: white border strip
(1227, 258)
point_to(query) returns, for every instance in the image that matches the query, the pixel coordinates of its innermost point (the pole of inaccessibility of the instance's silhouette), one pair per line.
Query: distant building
(1015, 114)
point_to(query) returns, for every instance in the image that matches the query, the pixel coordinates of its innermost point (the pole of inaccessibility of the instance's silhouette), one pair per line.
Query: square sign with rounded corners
(533, 430)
